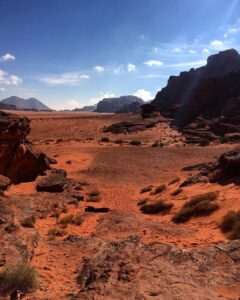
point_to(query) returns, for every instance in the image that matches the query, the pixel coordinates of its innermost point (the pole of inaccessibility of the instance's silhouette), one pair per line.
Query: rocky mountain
(86, 108)
(113, 105)
(25, 104)
(7, 106)
(180, 89)
(133, 107)
(204, 102)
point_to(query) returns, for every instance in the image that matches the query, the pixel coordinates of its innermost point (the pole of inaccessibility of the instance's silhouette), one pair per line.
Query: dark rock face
(131, 127)
(179, 88)
(131, 108)
(225, 170)
(4, 183)
(113, 105)
(53, 182)
(18, 161)
(7, 106)
(128, 269)
(204, 103)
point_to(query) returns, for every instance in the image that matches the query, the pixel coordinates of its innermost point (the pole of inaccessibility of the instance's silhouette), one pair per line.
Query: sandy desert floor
(118, 172)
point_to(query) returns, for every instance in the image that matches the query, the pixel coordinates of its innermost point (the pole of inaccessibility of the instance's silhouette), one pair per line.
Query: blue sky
(70, 53)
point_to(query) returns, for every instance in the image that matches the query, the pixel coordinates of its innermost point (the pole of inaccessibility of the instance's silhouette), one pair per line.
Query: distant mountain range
(24, 104)
(113, 105)
(86, 108)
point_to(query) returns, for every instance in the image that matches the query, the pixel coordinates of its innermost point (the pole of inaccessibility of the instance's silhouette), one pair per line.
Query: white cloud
(191, 51)
(188, 64)
(217, 44)
(2, 89)
(144, 94)
(7, 57)
(177, 50)
(152, 76)
(65, 79)
(84, 76)
(205, 51)
(99, 69)
(153, 63)
(117, 70)
(7, 79)
(101, 96)
(131, 67)
(15, 80)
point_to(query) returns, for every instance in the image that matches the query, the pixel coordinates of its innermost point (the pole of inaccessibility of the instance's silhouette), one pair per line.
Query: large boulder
(4, 183)
(53, 182)
(18, 160)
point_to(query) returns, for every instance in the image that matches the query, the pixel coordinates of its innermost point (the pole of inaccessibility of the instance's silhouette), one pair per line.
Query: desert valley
(141, 205)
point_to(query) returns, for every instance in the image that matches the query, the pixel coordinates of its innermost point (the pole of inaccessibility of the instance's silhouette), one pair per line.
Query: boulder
(18, 160)
(53, 182)
(4, 183)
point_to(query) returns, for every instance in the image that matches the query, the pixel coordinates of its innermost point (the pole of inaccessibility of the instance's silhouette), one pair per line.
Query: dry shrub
(19, 276)
(158, 207)
(159, 189)
(146, 189)
(175, 180)
(231, 224)
(200, 205)
(29, 222)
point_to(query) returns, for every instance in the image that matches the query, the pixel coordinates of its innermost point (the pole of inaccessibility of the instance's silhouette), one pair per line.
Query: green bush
(19, 276)
(200, 205)
(158, 207)
(56, 232)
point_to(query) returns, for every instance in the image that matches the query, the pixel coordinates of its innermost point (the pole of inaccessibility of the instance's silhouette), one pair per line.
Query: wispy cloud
(65, 79)
(187, 64)
(177, 50)
(99, 69)
(131, 67)
(6, 79)
(152, 76)
(7, 57)
(153, 63)
(144, 94)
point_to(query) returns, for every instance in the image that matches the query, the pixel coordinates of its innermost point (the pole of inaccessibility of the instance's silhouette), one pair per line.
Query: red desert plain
(114, 220)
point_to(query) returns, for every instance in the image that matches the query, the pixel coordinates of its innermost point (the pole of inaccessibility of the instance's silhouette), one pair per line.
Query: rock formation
(113, 105)
(25, 104)
(18, 161)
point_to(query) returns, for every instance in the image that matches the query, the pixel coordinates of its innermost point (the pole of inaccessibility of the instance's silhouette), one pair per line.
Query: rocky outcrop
(18, 160)
(129, 269)
(4, 183)
(204, 102)
(53, 182)
(130, 108)
(25, 104)
(113, 105)
(179, 88)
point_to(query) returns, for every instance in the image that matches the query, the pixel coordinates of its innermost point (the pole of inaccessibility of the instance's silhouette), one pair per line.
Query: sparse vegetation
(146, 189)
(118, 141)
(55, 214)
(135, 143)
(105, 140)
(78, 219)
(56, 232)
(19, 276)
(64, 209)
(204, 142)
(177, 192)
(159, 189)
(28, 222)
(157, 207)
(231, 224)
(175, 180)
(94, 193)
(142, 201)
(155, 144)
(200, 205)
(93, 199)
(66, 219)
